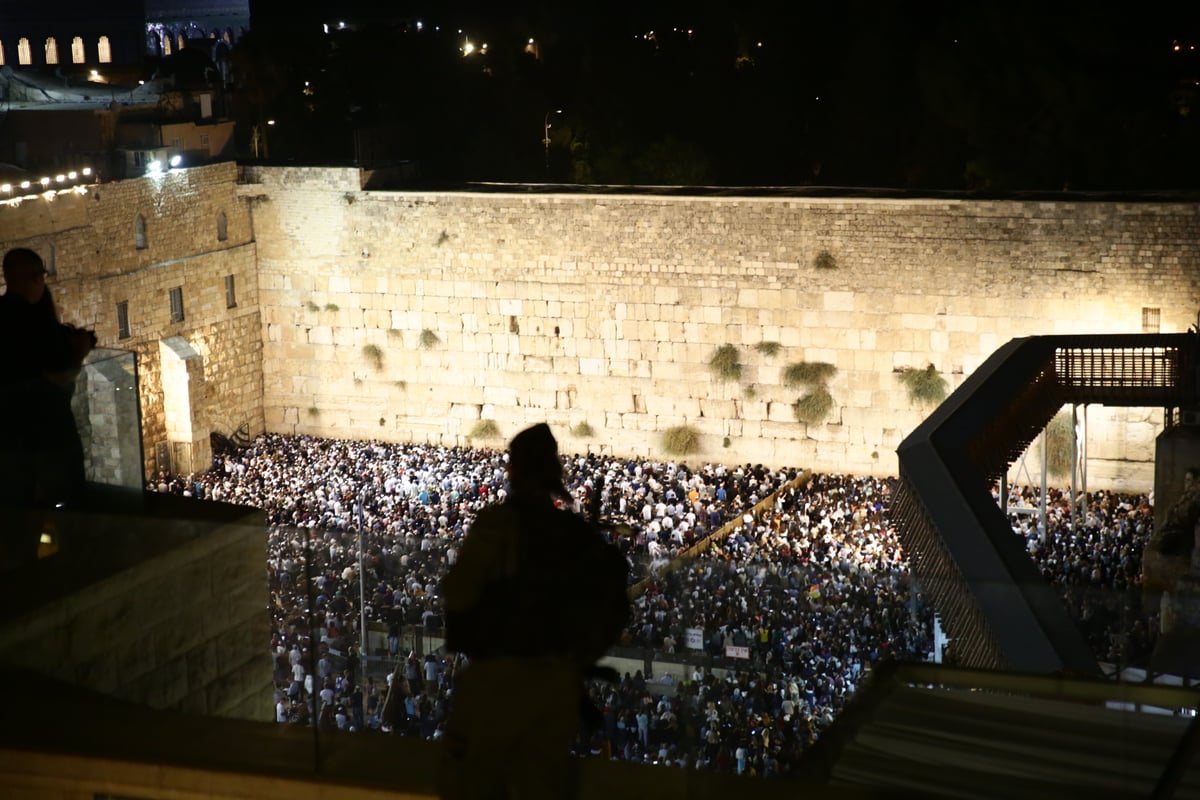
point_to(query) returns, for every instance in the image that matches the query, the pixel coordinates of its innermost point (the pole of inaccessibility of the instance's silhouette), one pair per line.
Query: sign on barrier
(695, 639)
(734, 651)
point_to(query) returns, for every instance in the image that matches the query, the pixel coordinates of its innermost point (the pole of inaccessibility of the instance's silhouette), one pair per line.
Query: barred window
(123, 319)
(222, 227)
(1150, 320)
(139, 232)
(177, 304)
(230, 292)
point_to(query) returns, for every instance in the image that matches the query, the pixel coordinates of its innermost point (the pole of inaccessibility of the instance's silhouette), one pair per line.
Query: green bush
(825, 260)
(925, 386)
(428, 339)
(313, 411)
(725, 363)
(485, 429)
(311, 306)
(814, 406)
(750, 393)
(583, 430)
(1058, 444)
(374, 354)
(681, 440)
(331, 306)
(768, 348)
(808, 373)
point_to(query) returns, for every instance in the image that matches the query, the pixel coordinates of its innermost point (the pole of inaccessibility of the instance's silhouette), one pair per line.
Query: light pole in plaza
(546, 138)
(362, 592)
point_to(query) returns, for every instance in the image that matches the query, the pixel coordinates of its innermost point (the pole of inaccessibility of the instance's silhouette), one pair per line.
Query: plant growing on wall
(485, 429)
(925, 386)
(808, 373)
(331, 306)
(681, 440)
(768, 348)
(428, 339)
(372, 353)
(817, 402)
(313, 411)
(824, 260)
(583, 430)
(311, 306)
(725, 363)
(1059, 436)
(814, 406)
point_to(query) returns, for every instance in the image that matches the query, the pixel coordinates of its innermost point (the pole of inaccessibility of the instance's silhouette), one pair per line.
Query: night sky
(965, 96)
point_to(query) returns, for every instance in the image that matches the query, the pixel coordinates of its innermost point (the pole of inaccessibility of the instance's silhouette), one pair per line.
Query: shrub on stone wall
(583, 430)
(1059, 434)
(925, 386)
(808, 373)
(814, 407)
(825, 260)
(374, 354)
(768, 348)
(311, 306)
(725, 363)
(331, 306)
(428, 339)
(313, 411)
(681, 440)
(485, 429)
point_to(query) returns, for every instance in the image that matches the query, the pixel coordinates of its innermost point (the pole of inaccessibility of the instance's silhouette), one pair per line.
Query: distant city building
(85, 33)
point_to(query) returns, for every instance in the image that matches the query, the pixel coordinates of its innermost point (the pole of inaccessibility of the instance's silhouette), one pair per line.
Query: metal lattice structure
(992, 600)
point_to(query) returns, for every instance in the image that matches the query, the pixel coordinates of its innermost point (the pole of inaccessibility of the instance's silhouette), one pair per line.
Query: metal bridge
(991, 597)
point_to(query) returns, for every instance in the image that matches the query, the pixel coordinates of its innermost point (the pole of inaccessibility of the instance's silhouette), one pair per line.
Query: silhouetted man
(41, 459)
(535, 598)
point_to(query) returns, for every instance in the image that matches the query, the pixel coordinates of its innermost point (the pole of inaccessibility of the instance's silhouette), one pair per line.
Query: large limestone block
(838, 301)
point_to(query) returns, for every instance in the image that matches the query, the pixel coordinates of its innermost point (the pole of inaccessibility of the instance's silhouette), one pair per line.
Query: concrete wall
(606, 309)
(182, 630)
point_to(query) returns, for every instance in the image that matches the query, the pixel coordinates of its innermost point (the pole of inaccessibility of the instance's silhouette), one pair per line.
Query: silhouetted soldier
(41, 459)
(536, 597)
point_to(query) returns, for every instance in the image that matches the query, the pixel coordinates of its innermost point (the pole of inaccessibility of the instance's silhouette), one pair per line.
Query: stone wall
(607, 309)
(414, 316)
(91, 240)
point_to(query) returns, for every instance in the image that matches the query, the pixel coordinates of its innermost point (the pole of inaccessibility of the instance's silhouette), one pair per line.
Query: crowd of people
(415, 502)
(1095, 561)
(795, 605)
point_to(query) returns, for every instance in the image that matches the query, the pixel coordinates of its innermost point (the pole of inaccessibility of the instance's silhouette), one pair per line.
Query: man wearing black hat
(525, 603)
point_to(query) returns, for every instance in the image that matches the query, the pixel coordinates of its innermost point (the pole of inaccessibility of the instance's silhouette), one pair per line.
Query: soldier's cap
(533, 453)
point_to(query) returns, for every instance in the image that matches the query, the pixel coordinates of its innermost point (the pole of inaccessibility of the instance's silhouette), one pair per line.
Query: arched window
(1, 54)
(139, 232)
(105, 50)
(166, 43)
(77, 54)
(181, 41)
(24, 53)
(51, 50)
(222, 227)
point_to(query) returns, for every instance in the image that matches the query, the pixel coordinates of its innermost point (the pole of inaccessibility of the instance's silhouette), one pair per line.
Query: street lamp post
(546, 138)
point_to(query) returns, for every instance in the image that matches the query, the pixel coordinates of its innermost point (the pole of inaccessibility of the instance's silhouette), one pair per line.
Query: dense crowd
(415, 503)
(808, 593)
(1095, 562)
